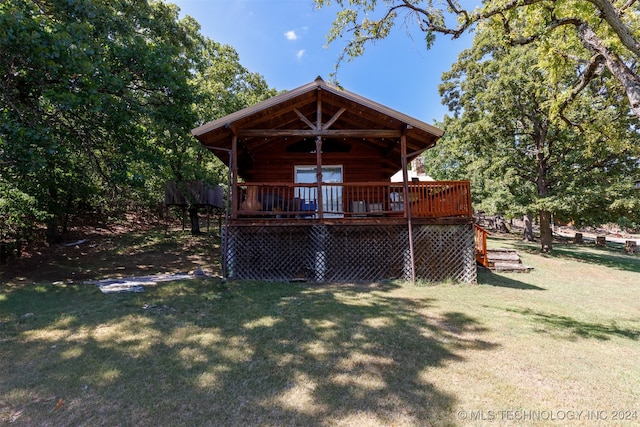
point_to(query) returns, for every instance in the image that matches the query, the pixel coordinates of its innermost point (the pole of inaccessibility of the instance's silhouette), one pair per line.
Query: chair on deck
(396, 202)
(308, 207)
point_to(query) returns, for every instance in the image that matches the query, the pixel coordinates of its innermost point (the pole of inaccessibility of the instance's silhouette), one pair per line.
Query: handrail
(481, 245)
(427, 199)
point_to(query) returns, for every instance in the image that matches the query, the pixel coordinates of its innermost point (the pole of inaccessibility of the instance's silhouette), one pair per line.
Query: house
(312, 199)
(415, 173)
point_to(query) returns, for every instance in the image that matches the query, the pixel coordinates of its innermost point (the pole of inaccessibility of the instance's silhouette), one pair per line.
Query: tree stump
(601, 241)
(578, 238)
(501, 225)
(630, 247)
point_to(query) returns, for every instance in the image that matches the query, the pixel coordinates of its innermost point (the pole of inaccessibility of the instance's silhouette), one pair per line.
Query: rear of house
(311, 196)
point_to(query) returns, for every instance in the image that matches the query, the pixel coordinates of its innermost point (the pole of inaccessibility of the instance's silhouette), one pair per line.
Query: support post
(233, 171)
(319, 176)
(407, 201)
(319, 155)
(232, 182)
(231, 198)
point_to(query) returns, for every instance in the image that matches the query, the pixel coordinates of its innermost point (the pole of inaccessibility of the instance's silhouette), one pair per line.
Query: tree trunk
(53, 231)
(195, 221)
(528, 227)
(544, 152)
(546, 236)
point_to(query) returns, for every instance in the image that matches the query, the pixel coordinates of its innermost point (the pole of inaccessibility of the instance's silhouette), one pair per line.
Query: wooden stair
(505, 260)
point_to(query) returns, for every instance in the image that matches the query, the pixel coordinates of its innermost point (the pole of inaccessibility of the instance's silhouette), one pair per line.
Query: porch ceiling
(318, 109)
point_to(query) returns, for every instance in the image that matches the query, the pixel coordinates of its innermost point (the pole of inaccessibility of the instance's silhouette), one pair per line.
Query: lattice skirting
(350, 253)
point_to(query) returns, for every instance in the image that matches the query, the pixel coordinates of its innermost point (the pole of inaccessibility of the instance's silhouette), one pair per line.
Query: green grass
(564, 337)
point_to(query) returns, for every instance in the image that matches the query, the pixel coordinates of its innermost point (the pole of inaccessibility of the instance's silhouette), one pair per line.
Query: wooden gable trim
(265, 108)
(333, 119)
(347, 133)
(304, 119)
(317, 111)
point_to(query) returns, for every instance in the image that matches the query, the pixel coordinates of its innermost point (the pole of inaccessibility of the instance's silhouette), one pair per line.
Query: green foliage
(524, 153)
(85, 84)
(98, 99)
(224, 85)
(17, 211)
(593, 35)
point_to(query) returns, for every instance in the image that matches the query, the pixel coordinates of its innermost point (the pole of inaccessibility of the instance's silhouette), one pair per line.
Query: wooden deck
(381, 202)
(351, 232)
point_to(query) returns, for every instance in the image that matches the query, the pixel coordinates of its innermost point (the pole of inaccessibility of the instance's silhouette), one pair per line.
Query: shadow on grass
(601, 256)
(605, 257)
(575, 328)
(201, 352)
(104, 255)
(486, 277)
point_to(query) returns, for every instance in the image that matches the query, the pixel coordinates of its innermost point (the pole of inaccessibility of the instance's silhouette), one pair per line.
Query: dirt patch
(120, 251)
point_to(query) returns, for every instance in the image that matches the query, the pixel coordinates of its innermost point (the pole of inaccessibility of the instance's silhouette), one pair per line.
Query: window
(331, 193)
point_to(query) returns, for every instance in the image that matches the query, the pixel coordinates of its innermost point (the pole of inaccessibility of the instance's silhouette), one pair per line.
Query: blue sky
(285, 41)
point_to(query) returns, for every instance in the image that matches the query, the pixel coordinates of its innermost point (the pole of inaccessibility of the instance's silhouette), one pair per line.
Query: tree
(86, 87)
(17, 211)
(223, 86)
(523, 154)
(594, 34)
(98, 99)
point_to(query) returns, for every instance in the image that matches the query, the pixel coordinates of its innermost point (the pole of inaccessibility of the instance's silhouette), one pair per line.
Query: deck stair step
(505, 260)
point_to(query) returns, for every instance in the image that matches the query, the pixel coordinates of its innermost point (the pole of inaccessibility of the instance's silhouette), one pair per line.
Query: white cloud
(300, 54)
(291, 35)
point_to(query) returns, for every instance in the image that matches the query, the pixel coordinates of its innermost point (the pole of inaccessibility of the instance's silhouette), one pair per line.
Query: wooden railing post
(481, 245)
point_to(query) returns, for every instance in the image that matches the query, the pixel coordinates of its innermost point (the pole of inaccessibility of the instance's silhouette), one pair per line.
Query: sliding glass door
(331, 194)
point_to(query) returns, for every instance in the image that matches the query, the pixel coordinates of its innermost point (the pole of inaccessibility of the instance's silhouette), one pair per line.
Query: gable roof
(318, 109)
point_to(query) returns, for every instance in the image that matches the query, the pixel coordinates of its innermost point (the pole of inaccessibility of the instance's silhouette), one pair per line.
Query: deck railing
(481, 245)
(426, 199)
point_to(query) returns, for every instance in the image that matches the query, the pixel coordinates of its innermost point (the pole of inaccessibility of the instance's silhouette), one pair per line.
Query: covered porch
(311, 196)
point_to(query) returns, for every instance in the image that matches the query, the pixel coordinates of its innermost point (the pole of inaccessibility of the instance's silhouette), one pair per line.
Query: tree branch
(618, 68)
(555, 23)
(612, 16)
(626, 6)
(589, 73)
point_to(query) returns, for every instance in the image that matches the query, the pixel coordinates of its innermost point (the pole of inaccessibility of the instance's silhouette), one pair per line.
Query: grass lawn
(557, 346)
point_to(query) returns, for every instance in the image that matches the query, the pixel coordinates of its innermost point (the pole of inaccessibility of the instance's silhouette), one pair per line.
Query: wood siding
(362, 163)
